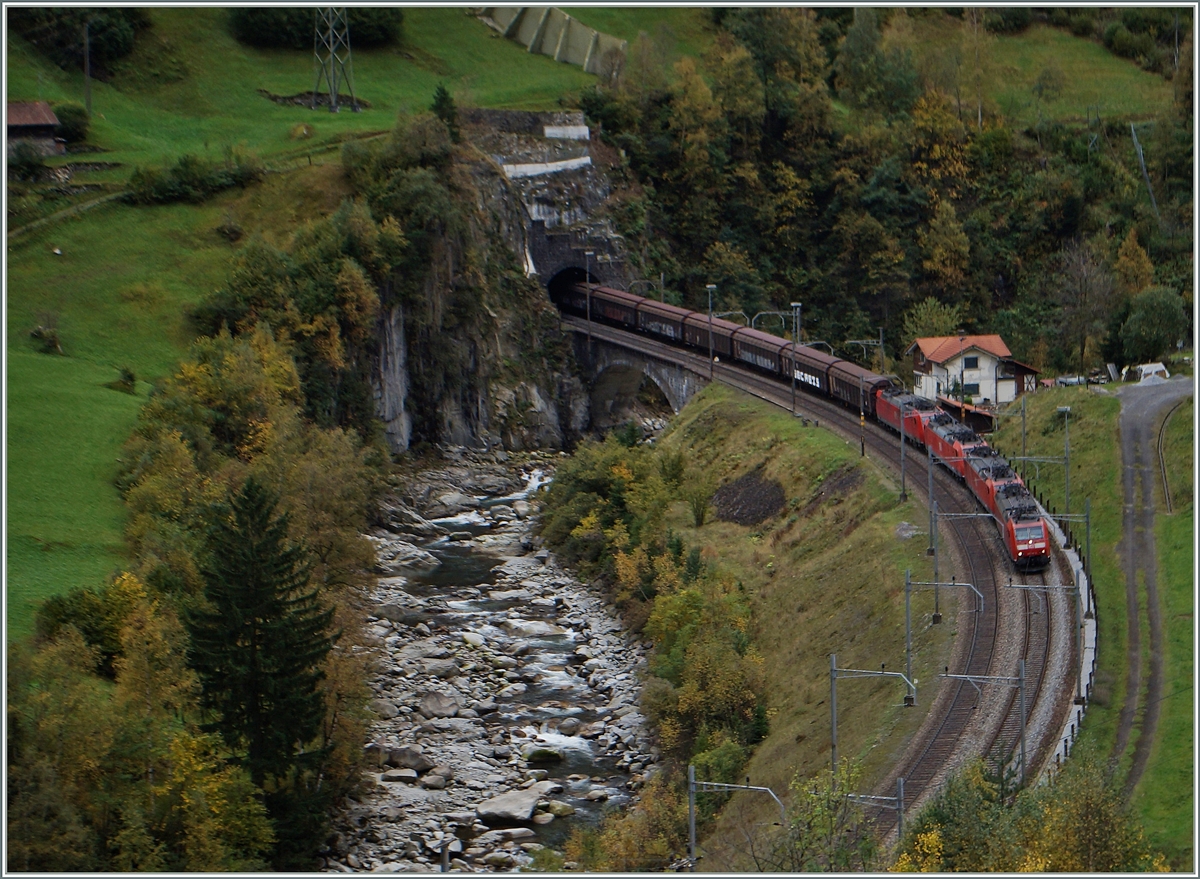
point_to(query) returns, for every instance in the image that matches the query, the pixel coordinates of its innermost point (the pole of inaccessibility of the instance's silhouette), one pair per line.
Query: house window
(971, 390)
(970, 363)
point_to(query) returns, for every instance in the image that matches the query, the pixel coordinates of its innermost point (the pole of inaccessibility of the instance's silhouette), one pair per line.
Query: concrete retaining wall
(1087, 664)
(546, 30)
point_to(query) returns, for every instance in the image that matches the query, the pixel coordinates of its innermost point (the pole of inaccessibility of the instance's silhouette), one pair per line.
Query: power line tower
(331, 55)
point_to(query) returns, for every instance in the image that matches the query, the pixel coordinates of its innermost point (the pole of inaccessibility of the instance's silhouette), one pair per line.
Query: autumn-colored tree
(939, 145)
(931, 318)
(738, 90)
(646, 838)
(825, 831)
(1133, 268)
(645, 70)
(977, 45)
(946, 250)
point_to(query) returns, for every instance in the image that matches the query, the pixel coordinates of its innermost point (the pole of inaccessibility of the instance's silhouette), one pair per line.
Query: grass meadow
(1168, 805)
(1164, 797)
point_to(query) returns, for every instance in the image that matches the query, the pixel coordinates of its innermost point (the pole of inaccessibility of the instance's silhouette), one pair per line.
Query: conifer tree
(444, 108)
(260, 644)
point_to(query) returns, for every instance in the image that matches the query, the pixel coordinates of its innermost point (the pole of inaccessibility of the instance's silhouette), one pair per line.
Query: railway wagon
(615, 306)
(759, 349)
(662, 320)
(809, 366)
(855, 386)
(917, 412)
(695, 333)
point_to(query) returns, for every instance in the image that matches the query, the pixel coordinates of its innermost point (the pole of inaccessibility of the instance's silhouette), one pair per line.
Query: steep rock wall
(477, 358)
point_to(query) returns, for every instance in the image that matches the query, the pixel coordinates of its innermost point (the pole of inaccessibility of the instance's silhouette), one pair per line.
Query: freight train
(958, 448)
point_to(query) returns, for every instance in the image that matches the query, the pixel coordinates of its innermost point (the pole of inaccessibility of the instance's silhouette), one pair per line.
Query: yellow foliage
(620, 470)
(667, 578)
(589, 526)
(926, 856)
(617, 536)
(630, 568)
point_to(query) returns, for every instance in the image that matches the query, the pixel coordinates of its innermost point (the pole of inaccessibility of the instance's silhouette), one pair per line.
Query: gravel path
(1142, 409)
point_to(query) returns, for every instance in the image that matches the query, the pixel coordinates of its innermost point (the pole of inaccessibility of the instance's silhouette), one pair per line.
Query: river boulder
(514, 806)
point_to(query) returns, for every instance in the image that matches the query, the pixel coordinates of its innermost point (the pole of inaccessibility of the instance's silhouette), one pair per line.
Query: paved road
(1143, 408)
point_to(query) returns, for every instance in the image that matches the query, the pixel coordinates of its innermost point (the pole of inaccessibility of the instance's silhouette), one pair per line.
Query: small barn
(35, 123)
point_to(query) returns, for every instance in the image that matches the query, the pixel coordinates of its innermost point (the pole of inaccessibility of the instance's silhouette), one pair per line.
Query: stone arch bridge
(616, 374)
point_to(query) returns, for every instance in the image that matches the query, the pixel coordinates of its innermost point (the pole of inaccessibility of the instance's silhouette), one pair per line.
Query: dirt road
(1143, 408)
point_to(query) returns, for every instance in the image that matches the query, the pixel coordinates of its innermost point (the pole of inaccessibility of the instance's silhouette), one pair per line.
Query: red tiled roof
(31, 113)
(939, 349)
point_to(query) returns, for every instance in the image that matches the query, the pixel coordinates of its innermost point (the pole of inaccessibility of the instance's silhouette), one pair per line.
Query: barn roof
(30, 113)
(939, 349)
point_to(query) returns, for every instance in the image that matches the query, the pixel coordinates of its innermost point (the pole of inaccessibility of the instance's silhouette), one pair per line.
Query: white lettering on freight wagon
(808, 379)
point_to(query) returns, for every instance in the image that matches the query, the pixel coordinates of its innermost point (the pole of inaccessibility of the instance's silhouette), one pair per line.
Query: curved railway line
(1029, 624)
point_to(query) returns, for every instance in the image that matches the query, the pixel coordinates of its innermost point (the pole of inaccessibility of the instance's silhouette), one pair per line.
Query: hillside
(825, 575)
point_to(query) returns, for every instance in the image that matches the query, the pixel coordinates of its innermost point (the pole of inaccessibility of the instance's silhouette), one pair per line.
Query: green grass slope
(189, 87)
(118, 291)
(825, 576)
(1165, 797)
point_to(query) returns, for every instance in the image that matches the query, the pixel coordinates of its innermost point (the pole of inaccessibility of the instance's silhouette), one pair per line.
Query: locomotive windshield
(1030, 533)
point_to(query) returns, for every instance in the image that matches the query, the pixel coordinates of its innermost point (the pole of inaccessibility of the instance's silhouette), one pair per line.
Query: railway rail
(1028, 624)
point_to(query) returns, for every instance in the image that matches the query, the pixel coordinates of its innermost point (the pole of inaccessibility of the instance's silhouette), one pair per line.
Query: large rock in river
(517, 805)
(394, 556)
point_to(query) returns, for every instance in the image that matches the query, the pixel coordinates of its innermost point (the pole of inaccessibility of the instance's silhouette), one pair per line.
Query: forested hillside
(838, 158)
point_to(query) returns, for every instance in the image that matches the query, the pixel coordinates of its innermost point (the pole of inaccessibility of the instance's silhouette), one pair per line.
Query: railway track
(1015, 624)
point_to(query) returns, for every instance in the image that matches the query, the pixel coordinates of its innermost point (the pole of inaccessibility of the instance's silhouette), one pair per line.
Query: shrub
(26, 162)
(699, 499)
(628, 434)
(1083, 24)
(1011, 20)
(127, 381)
(1148, 20)
(58, 33)
(287, 27)
(191, 179)
(73, 121)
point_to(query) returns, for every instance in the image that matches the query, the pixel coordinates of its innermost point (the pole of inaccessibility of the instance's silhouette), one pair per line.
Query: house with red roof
(969, 369)
(34, 122)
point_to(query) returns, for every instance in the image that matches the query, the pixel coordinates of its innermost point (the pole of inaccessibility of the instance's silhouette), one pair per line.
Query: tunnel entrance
(568, 277)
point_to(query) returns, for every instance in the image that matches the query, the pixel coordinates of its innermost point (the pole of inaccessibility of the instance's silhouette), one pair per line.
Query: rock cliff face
(477, 358)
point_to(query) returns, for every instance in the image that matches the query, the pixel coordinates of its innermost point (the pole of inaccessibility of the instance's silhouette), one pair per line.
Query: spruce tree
(259, 645)
(443, 107)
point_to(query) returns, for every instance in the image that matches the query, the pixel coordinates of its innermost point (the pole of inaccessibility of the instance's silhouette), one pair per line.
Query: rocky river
(506, 690)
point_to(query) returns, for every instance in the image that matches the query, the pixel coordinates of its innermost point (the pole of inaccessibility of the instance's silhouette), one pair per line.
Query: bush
(1008, 21)
(58, 33)
(285, 27)
(1148, 20)
(191, 179)
(26, 162)
(1083, 24)
(73, 121)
